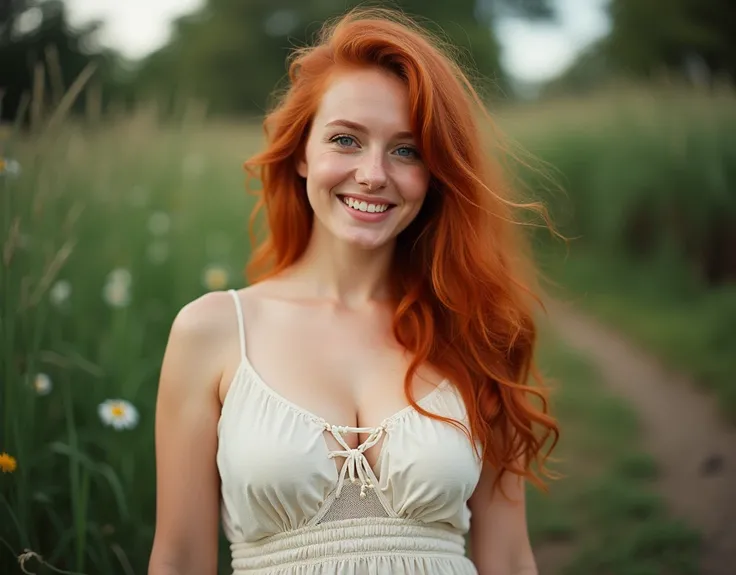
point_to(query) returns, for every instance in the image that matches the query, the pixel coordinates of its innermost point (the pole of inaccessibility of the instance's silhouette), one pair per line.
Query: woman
(364, 403)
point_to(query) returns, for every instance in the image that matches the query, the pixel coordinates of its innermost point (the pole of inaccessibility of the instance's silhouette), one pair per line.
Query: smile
(363, 206)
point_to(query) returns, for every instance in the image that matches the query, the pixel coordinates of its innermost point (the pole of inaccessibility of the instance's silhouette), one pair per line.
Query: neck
(344, 273)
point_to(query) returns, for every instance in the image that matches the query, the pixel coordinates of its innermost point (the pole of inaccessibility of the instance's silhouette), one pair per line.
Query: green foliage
(691, 40)
(648, 35)
(652, 176)
(162, 205)
(51, 54)
(231, 54)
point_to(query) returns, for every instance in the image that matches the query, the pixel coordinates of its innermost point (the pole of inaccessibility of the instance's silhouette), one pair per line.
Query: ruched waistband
(343, 538)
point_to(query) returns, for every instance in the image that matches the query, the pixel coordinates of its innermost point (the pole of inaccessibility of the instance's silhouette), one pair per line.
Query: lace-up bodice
(288, 509)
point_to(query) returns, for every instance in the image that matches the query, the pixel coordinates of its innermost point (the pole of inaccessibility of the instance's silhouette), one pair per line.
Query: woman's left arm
(499, 537)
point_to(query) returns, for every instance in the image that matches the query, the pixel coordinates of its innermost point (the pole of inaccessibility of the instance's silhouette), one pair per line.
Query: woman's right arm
(187, 412)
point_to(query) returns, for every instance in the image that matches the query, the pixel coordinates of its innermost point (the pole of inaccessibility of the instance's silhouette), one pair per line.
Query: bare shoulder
(201, 341)
(209, 316)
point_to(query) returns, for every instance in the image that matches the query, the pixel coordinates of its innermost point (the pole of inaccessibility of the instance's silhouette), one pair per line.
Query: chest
(346, 368)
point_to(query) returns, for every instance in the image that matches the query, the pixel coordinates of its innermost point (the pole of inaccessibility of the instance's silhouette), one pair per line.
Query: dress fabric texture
(289, 509)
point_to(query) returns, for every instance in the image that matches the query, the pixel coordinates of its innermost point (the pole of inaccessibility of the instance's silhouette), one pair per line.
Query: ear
(301, 167)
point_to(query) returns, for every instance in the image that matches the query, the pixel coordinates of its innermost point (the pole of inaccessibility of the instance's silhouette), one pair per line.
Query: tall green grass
(91, 206)
(649, 173)
(649, 179)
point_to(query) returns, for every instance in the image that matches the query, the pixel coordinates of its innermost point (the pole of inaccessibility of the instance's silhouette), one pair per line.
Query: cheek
(327, 171)
(414, 185)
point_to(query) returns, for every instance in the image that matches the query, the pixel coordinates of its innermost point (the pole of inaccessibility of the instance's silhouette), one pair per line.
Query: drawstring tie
(356, 465)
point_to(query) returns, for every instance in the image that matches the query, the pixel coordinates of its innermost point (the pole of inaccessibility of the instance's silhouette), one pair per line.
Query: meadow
(109, 227)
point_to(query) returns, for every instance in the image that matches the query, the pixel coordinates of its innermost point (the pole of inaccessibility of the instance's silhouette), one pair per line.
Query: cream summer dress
(288, 510)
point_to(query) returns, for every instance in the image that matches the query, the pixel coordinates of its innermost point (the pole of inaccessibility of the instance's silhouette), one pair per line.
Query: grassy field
(604, 513)
(106, 232)
(664, 309)
(649, 202)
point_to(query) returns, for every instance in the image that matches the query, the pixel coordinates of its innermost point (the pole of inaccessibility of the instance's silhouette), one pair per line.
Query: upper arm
(187, 412)
(499, 537)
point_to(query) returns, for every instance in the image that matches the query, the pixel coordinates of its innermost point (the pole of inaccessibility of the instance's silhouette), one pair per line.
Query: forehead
(368, 96)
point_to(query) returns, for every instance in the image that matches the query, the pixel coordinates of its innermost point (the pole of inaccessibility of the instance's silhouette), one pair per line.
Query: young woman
(366, 401)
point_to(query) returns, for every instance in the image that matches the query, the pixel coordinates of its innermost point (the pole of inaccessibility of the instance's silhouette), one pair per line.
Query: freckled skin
(378, 160)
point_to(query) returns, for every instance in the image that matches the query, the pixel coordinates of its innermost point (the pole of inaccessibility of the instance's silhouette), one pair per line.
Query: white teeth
(365, 206)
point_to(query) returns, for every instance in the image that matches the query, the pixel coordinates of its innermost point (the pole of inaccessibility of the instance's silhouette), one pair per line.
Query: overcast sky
(532, 52)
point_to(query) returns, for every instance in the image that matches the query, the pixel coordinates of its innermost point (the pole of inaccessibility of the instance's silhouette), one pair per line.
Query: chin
(366, 241)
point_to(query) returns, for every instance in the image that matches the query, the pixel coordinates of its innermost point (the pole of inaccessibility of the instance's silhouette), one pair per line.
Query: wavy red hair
(461, 278)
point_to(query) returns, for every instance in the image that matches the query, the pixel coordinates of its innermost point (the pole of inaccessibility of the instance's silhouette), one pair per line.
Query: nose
(371, 172)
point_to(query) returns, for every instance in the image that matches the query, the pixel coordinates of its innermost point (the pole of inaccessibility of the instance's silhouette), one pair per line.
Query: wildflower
(158, 252)
(7, 463)
(215, 278)
(159, 223)
(42, 384)
(9, 167)
(116, 294)
(60, 292)
(119, 275)
(118, 413)
(117, 288)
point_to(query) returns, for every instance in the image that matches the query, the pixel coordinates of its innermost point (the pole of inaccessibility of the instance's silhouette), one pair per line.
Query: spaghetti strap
(241, 328)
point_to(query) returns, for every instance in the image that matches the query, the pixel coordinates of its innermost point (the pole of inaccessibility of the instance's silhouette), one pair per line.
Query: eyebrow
(361, 128)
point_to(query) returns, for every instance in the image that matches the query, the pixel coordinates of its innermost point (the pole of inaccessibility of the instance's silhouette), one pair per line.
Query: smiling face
(365, 179)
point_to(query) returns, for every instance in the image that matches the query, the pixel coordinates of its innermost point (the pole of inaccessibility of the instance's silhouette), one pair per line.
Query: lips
(372, 211)
(366, 206)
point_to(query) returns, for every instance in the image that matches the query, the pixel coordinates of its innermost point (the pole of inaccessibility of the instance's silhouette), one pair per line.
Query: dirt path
(694, 447)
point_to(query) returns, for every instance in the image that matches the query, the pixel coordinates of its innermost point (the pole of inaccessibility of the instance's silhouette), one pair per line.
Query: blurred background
(123, 130)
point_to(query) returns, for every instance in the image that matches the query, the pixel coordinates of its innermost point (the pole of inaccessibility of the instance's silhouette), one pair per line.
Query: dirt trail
(694, 447)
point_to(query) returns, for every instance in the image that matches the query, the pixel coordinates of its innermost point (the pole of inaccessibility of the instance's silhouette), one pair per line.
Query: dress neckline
(246, 365)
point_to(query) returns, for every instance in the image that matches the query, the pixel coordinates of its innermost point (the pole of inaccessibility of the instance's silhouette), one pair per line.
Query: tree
(232, 53)
(648, 35)
(22, 48)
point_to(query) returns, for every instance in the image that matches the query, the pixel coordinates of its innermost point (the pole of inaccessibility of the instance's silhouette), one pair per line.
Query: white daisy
(215, 277)
(42, 384)
(9, 167)
(116, 294)
(159, 223)
(119, 275)
(118, 413)
(60, 292)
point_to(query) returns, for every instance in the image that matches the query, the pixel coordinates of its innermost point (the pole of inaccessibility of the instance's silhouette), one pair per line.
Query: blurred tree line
(694, 39)
(231, 53)
(38, 48)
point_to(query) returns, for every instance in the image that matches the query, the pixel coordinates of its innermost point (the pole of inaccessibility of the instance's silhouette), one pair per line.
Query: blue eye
(407, 152)
(344, 141)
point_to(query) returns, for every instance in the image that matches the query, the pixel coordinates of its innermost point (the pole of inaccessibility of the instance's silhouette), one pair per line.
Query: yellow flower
(9, 166)
(7, 463)
(215, 278)
(42, 383)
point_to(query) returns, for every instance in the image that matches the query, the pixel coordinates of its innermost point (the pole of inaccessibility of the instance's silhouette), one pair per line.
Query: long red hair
(461, 278)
